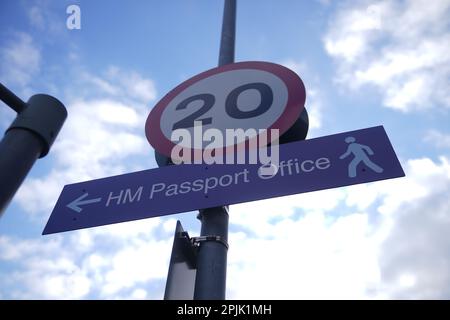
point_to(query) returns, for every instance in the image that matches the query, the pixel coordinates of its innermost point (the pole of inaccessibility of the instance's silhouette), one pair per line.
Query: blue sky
(364, 63)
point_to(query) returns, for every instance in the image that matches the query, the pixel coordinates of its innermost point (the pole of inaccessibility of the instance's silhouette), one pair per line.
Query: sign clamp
(196, 241)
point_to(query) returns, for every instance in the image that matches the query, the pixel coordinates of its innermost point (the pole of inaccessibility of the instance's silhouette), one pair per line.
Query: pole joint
(44, 116)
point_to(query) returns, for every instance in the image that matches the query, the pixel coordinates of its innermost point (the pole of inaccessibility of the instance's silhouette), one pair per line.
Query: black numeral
(188, 122)
(231, 105)
(232, 108)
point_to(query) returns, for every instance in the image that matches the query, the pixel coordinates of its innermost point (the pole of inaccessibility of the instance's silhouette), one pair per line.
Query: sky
(363, 63)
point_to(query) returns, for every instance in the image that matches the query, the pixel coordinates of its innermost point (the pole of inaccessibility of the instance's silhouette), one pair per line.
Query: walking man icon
(360, 153)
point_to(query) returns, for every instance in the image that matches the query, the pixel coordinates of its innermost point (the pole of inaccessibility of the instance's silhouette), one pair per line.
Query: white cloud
(99, 134)
(415, 256)
(101, 84)
(108, 262)
(169, 225)
(439, 139)
(394, 246)
(10, 249)
(53, 282)
(95, 139)
(139, 294)
(142, 227)
(137, 264)
(424, 179)
(399, 47)
(314, 103)
(36, 17)
(20, 60)
(124, 85)
(141, 88)
(314, 255)
(102, 136)
(263, 218)
(307, 260)
(42, 273)
(44, 16)
(134, 85)
(391, 242)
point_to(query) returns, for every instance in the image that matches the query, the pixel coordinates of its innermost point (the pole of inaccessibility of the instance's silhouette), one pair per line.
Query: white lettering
(293, 166)
(223, 184)
(198, 184)
(264, 157)
(125, 196)
(311, 167)
(172, 190)
(111, 197)
(208, 146)
(239, 137)
(245, 173)
(198, 142)
(137, 195)
(208, 186)
(74, 20)
(323, 163)
(205, 185)
(156, 189)
(185, 187)
(213, 151)
(179, 154)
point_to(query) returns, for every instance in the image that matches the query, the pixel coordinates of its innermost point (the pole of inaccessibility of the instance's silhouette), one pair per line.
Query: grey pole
(29, 137)
(227, 41)
(210, 282)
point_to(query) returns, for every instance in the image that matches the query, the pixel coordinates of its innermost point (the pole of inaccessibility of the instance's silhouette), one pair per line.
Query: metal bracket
(196, 241)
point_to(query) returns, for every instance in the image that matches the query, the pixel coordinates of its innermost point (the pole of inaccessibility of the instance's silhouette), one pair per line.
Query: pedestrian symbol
(360, 153)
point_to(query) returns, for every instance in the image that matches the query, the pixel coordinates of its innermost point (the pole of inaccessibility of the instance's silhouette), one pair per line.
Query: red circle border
(294, 106)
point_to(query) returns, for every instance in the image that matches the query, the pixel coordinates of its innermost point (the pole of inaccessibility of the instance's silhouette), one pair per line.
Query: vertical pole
(19, 150)
(210, 282)
(226, 53)
(29, 137)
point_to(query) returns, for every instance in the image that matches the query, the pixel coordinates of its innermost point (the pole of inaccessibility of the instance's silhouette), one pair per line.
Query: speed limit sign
(243, 95)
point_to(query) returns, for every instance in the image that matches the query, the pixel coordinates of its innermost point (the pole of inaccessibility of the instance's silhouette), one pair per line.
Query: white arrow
(74, 205)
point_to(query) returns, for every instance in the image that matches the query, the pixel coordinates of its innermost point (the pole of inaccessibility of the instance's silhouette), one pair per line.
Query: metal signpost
(245, 95)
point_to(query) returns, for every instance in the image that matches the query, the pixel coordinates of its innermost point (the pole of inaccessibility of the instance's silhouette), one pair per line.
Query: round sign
(244, 95)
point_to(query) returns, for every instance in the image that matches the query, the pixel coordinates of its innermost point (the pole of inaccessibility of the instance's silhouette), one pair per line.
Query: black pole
(210, 282)
(29, 137)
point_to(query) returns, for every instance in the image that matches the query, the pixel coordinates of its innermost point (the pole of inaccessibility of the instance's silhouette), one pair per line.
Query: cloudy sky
(364, 63)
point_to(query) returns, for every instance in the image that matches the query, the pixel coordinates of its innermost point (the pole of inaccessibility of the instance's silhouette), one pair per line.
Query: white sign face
(245, 95)
(257, 106)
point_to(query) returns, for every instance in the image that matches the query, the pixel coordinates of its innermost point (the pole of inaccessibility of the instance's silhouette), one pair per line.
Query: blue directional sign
(327, 162)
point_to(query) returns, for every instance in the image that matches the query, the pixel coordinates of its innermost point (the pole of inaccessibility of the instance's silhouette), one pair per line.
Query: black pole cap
(44, 116)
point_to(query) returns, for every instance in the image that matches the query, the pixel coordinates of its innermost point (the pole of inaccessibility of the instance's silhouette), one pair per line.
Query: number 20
(231, 107)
